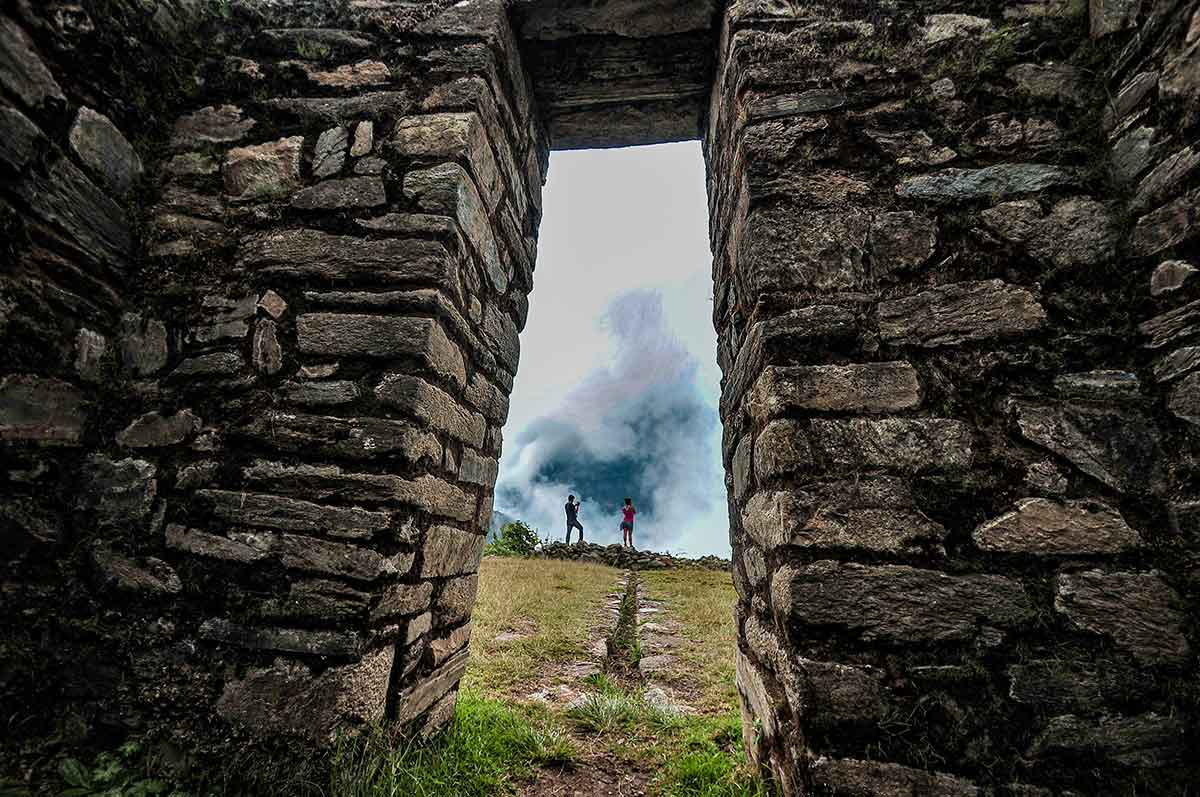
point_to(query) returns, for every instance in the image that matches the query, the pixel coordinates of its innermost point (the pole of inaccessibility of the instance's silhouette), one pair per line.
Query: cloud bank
(638, 425)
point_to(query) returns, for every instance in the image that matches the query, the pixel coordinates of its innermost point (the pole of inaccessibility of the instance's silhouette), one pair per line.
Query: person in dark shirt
(573, 518)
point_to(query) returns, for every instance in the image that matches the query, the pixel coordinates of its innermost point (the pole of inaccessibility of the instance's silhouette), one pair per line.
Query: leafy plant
(112, 774)
(516, 539)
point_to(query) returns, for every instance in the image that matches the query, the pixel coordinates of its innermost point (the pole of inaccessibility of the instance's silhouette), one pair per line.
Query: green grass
(613, 709)
(710, 762)
(489, 748)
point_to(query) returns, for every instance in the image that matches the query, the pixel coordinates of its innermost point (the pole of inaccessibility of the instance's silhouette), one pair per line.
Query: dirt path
(597, 774)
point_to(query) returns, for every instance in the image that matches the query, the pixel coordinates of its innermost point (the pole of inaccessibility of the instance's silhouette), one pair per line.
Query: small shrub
(121, 773)
(516, 539)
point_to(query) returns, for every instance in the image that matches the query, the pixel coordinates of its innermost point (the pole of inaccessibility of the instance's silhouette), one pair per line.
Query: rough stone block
(1068, 686)
(334, 393)
(899, 445)
(153, 430)
(1148, 740)
(897, 603)
(1172, 326)
(901, 241)
(212, 125)
(289, 698)
(450, 552)
(283, 640)
(352, 192)
(352, 438)
(842, 693)
(1184, 399)
(105, 150)
(264, 171)
(476, 469)
(317, 600)
(959, 313)
(340, 258)
(451, 136)
(22, 71)
(847, 777)
(786, 249)
(1077, 232)
(873, 515)
(1172, 224)
(149, 577)
(431, 406)
(39, 409)
(213, 546)
(870, 387)
(455, 601)
(402, 600)
(119, 493)
(487, 398)
(270, 511)
(1118, 446)
(1044, 527)
(416, 700)
(1138, 611)
(990, 183)
(333, 334)
(444, 647)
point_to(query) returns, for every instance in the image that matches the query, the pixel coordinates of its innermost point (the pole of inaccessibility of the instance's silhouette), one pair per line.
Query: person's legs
(569, 524)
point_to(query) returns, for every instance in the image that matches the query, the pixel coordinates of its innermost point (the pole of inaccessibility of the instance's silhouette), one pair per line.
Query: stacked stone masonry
(266, 269)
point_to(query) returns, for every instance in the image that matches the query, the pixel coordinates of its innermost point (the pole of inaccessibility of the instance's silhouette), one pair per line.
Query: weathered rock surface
(382, 336)
(1044, 527)
(270, 511)
(450, 552)
(1138, 611)
(352, 192)
(1148, 740)
(265, 171)
(151, 577)
(849, 778)
(1076, 232)
(895, 602)
(992, 182)
(959, 313)
(871, 387)
(105, 150)
(1170, 276)
(46, 410)
(310, 253)
(154, 430)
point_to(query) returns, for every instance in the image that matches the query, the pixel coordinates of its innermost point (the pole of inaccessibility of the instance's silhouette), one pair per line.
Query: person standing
(573, 518)
(627, 511)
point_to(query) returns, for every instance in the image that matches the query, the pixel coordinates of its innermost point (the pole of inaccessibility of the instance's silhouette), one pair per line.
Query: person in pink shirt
(627, 524)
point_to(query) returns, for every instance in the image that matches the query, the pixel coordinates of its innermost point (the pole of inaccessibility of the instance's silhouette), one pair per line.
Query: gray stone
(1112, 386)
(868, 387)
(321, 371)
(783, 248)
(1171, 224)
(268, 354)
(20, 141)
(305, 554)
(352, 192)
(211, 365)
(1172, 326)
(198, 474)
(105, 150)
(1181, 73)
(450, 552)
(1145, 741)
(143, 344)
(119, 493)
(316, 599)
(192, 164)
(1058, 528)
(1132, 155)
(22, 71)
(416, 700)
(340, 258)
(271, 511)
(331, 334)
(376, 105)
(1128, 98)
(320, 482)
(871, 514)
(847, 777)
(743, 467)
(351, 76)
(476, 469)
(364, 139)
(273, 304)
(1046, 477)
(448, 190)
(1171, 275)
(321, 394)
(915, 147)
(370, 166)
(944, 27)
(1077, 232)
(843, 693)
(455, 600)
(500, 331)
(330, 153)
(213, 546)
(283, 640)
(349, 438)
(212, 125)
(1184, 400)
(897, 603)
(900, 445)
(1120, 447)
(1064, 685)
(451, 136)
(432, 406)
(1057, 83)
(960, 312)
(487, 398)
(990, 183)
(149, 577)
(154, 430)
(417, 627)
(901, 241)
(90, 348)
(1138, 611)
(780, 106)
(1165, 179)
(1111, 16)
(265, 171)
(446, 646)
(1177, 363)
(289, 698)
(316, 44)
(401, 600)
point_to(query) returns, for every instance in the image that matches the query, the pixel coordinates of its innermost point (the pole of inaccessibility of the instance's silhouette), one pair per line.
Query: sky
(618, 386)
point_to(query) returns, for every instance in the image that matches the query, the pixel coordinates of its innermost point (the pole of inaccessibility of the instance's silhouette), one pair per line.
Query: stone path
(657, 634)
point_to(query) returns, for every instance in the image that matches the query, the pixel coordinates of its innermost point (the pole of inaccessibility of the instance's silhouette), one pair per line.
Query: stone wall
(627, 558)
(953, 257)
(279, 485)
(267, 264)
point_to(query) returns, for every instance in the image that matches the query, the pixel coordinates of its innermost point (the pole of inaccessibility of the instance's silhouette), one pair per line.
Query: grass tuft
(487, 749)
(604, 712)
